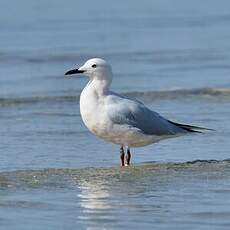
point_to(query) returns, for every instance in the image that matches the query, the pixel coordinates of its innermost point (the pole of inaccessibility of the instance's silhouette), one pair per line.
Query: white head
(95, 68)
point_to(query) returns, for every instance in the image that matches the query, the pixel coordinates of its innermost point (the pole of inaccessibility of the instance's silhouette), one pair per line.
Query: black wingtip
(191, 128)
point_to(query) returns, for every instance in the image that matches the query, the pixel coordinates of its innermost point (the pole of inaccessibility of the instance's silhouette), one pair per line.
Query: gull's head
(94, 68)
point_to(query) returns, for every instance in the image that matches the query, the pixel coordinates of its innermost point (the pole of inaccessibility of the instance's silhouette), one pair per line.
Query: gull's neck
(99, 85)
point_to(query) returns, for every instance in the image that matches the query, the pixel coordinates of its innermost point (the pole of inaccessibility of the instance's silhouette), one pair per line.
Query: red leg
(128, 157)
(122, 156)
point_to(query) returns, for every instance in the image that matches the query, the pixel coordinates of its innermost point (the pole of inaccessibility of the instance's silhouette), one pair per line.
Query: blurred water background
(172, 55)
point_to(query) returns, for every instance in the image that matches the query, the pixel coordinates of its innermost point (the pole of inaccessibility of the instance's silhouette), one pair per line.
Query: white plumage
(118, 119)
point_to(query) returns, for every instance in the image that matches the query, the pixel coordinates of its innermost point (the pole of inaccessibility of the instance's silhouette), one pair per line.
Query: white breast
(92, 112)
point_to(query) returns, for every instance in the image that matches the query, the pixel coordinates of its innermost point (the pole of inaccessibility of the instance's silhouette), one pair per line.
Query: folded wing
(124, 111)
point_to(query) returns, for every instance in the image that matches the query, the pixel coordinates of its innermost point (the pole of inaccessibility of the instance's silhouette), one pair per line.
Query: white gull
(119, 119)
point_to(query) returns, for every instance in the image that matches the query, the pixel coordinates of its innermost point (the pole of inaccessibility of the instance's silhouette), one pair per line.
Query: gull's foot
(122, 156)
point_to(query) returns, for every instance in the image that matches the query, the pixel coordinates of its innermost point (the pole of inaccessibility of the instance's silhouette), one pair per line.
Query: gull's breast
(93, 113)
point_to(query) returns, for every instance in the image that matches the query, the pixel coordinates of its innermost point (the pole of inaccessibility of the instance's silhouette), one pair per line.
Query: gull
(124, 121)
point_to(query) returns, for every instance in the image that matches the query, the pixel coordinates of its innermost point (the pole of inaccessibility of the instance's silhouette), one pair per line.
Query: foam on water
(53, 177)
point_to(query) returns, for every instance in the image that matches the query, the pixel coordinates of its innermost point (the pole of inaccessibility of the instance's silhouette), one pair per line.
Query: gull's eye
(94, 65)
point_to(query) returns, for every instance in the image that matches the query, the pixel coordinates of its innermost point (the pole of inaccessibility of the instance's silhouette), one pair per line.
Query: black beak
(74, 71)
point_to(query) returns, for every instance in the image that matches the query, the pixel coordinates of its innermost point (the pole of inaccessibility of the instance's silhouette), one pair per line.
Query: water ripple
(144, 95)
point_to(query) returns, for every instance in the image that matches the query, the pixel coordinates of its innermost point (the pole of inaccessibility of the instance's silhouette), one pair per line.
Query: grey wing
(137, 115)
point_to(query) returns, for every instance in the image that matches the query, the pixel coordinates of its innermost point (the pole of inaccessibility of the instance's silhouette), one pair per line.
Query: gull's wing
(125, 111)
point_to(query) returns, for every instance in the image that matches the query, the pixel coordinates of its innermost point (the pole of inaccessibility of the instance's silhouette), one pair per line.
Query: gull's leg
(128, 157)
(122, 156)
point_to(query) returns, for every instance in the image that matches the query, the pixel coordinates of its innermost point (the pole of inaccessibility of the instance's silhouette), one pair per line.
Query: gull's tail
(190, 128)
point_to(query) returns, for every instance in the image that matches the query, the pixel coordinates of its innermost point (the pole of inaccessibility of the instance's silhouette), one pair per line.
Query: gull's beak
(74, 71)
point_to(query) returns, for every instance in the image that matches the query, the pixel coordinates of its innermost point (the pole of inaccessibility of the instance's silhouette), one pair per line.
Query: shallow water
(174, 57)
(145, 196)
